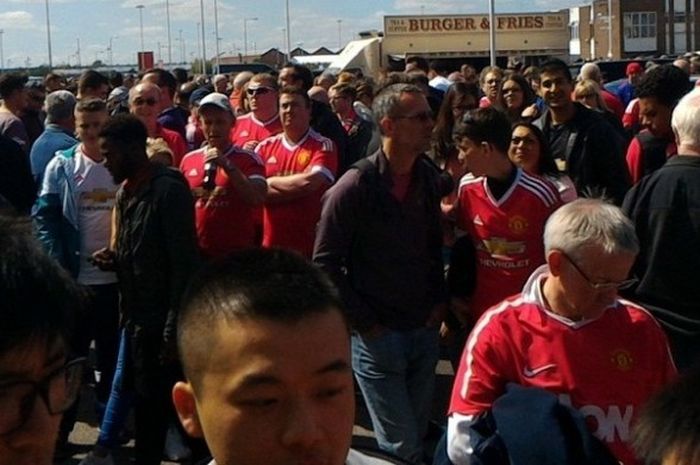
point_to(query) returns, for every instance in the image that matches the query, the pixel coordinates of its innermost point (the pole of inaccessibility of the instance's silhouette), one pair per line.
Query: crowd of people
(240, 248)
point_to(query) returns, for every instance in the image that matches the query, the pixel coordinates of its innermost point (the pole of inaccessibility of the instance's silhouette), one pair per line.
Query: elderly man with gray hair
(568, 333)
(664, 208)
(58, 132)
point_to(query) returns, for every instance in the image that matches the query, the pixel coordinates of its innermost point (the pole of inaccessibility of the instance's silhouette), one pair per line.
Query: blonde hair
(158, 151)
(589, 87)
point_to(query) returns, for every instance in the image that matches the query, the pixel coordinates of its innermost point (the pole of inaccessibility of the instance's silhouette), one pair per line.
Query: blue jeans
(396, 373)
(119, 401)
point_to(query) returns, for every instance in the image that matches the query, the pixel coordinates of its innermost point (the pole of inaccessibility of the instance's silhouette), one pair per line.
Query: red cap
(633, 68)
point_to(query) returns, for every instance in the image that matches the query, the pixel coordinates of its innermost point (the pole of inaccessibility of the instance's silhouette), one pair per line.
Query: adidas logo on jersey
(272, 160)
(192, 172)
(477, 221)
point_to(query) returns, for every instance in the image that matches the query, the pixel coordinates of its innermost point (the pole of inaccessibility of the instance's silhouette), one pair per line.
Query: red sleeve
(325, 160)
(252, 167)
(630, 119)
(481, 377)
(634, 160)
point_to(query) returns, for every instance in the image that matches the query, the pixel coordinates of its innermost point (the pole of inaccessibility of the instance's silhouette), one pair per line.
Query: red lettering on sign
(412, 25)
(512, 23)
(470, 24)
(539, 22)
(435, 25)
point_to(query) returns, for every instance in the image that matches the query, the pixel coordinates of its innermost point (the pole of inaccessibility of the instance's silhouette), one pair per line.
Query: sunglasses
(423, 116)
(258, 91)
(597, 286)
(151, 102)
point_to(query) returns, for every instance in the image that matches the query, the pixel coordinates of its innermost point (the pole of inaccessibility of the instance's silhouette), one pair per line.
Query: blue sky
(313, 23)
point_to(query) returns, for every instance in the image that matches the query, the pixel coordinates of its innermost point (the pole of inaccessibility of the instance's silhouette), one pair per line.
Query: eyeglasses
(423, 116)
(601, 286)
(58, 390)
(151, 102)
(258, 91)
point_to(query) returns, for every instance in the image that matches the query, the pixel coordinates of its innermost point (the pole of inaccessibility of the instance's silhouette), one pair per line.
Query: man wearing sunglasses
(380, 239)
(568, 332)
(145, 103)
(37, 383)
(263, 121)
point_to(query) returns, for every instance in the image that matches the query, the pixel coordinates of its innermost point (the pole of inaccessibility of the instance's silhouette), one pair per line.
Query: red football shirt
(224, 221)
(606, 368)
(506, 233)
(292, 224)
(249, 128)
(175, 141)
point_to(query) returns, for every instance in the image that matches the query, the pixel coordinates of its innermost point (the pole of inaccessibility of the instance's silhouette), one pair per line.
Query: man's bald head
(590, 71)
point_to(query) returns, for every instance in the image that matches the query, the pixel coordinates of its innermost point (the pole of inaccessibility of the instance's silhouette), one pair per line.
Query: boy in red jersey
(502, 208)
(569, 333)
(227, 182)
(300, 165)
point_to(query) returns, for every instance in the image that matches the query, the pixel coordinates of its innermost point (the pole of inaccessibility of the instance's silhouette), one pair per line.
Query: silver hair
(590, 222)
(590, 71)
(388, 103)
(60, 105)
(686, 120)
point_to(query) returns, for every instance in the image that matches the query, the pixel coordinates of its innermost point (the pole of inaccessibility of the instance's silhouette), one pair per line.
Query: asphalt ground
(85, 432)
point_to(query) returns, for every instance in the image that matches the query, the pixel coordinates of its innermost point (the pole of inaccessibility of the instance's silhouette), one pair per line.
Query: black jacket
(16, 181)
(384, 255)
(594, 155)
(326, 123)
(156, 249)
(665, 210)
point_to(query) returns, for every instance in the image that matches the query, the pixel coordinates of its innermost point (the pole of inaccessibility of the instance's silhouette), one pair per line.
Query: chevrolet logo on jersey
(498, 246)
(98, 195)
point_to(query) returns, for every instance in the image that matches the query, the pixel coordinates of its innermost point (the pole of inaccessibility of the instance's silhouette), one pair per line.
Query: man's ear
(554, 261)
(186, 407)
(386, 124)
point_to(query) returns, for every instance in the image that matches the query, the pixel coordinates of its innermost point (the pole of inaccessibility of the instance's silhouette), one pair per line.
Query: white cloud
(436, 6)
(17, 20)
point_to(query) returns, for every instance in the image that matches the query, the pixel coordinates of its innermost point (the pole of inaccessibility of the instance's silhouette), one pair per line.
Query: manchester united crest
(303, 158)
(517, 224)
(622, 359)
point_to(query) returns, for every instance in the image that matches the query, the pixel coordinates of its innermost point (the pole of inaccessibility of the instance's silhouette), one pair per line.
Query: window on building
(574, 30)
(640, 25)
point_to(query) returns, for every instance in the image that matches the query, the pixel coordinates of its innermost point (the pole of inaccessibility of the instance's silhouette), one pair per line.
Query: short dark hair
(257, 284)
(91, 79)
(165, 79)
(484, 125)
(291, 90)
(126, 130)
(11, 82)
(90, 105)
(116, 79)
(303, 74)
(420, 62)
(668, 424)
(38, 298)
(180, 75)
(555, 65)
(438, 66)
(545, 164)
(667, 83)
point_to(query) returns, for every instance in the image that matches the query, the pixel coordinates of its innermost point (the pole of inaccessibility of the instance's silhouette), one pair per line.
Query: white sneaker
(92, 459)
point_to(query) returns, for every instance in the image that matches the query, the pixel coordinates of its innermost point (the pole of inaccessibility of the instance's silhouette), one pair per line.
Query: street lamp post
(204, 46)
(170, 45)
(340, 42)
(245, 37)
(2, 53)
(216, 35)
(289, 41)
(492, 32)
(140, 8)
(48, 33)
(610, 35)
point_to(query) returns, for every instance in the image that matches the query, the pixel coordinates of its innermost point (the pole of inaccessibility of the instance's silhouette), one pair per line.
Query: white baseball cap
(218, 100)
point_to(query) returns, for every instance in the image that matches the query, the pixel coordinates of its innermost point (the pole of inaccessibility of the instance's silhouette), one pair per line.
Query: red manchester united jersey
(606, 367)
(292, 224)
(507, 233)
(249, 128)
(224, 221)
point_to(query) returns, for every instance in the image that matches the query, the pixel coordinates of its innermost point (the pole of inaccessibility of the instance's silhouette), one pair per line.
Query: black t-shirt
(558, 136)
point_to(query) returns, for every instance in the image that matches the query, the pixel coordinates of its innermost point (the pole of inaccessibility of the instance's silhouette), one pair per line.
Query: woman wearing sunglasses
(38, 381)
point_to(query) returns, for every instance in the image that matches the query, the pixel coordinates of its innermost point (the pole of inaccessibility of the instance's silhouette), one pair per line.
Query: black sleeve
(16, 181)
(605, 146)
(461, 276)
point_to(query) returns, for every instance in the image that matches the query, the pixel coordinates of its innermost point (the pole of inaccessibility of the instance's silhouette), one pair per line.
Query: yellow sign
(460, 24)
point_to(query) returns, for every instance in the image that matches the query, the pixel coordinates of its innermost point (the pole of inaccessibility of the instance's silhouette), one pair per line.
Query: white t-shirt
(96, 195)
